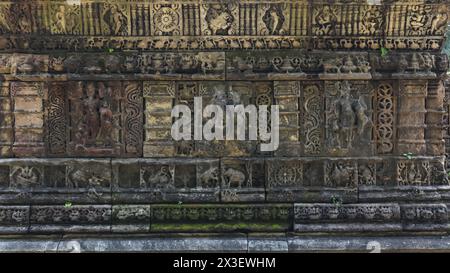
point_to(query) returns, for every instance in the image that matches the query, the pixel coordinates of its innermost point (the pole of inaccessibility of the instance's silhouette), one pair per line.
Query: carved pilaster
(6, 121)
(28, 114)
(159, 100)
(287, 96)
(411, 117)
(434, 118)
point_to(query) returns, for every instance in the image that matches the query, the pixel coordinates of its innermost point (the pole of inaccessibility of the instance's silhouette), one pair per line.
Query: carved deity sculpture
(96, 124)
(90, 111)
(326, 20)
(116, 20)
(347, 119)
(273, 19)
(106, 124)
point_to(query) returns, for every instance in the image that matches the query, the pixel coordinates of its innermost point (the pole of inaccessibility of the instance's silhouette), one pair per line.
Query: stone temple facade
(87, 89)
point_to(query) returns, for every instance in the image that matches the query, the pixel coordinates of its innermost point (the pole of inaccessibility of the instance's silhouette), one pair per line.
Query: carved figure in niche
(428, 61)
(24, 177)
(88, 127)
(27, 64)
(84, 177)
(347, 118)
(402, 64)
(439, 21)
(348, 66)
(60, 23)
(209, 178)
(106, 125)
(342, 175)
(96, 124)
(366, 175)
(208, 62)
(273, 19)
(5, 23)
(115, 20)
(14, 18)
(326, 21)
(371, 21)
(234, 178)
(413, 173)
(161, 179)
(219, 19)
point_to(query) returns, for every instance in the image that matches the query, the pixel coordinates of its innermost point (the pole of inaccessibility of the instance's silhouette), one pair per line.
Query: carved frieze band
(298, 217)
(276, 65)
(218, 25)
(47, 181)
(99, 118)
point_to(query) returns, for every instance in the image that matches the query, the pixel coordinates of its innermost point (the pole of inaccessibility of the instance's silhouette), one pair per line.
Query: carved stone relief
(348, 117)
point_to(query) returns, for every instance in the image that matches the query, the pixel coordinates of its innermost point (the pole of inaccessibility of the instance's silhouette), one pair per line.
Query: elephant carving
(234, 178)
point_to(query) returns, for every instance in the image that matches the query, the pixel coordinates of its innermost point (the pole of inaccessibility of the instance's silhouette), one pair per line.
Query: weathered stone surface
(267, 243)
(347, 217)
(77, 218)
(221, 218)
(86, 95)
(220, 244)
(285, 25)
(131, 218)
(157, 243)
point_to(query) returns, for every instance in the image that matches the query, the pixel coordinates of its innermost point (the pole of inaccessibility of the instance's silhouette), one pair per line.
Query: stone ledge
(220, 243)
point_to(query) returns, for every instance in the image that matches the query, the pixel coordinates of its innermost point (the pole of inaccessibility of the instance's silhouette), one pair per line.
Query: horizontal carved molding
(217, 25)
(229, 180)
(276, 65)
(298, 217)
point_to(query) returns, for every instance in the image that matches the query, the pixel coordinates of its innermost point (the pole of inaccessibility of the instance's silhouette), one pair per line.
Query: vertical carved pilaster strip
(28, 118)
(384, 118)
(287, 95)
(411, 117)
(434, 117)
(6, 121)
(159, 98)
(446, 120)
(56, 120)
(312, 118)
(133, 118)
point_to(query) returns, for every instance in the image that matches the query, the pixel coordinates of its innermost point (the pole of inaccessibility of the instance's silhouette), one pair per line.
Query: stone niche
(86, 93)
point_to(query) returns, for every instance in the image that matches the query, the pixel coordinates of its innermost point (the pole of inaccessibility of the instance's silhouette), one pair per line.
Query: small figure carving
(234, 178)
(105, 134)
(438, 23)
(209, 178)
(273, 19)
(219, 19)
(326, 21)
(161, 179)
(347, 118)
(115, 20)
(342, 176)
(349, 66)
(24, 177)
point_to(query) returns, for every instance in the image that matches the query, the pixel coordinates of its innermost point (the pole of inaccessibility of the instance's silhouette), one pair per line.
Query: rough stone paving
(87, 89)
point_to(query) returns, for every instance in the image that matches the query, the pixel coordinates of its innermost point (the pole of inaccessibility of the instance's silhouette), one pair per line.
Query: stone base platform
(223, 243)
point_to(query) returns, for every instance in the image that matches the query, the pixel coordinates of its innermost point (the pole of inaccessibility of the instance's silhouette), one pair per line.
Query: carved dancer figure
(116, 20)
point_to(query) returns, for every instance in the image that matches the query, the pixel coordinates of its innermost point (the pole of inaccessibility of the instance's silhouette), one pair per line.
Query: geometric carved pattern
(313, 106)
(385, 105)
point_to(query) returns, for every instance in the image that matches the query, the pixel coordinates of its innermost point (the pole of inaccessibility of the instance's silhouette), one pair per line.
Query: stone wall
(87, 89)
